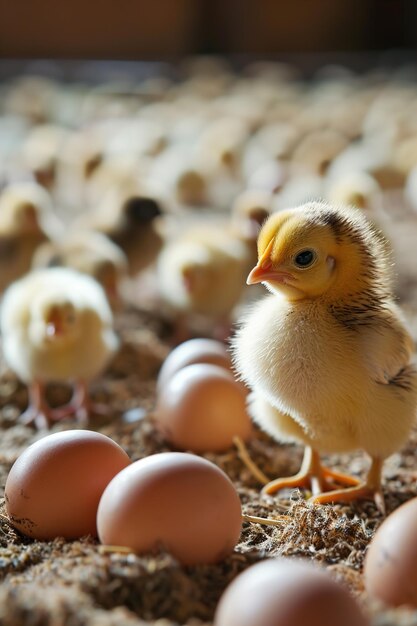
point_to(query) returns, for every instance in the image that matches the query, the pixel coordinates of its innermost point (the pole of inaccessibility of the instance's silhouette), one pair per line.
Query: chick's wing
(387, 345)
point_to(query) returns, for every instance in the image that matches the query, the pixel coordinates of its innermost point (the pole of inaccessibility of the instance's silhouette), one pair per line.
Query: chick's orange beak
(54, 324)
(263, 271)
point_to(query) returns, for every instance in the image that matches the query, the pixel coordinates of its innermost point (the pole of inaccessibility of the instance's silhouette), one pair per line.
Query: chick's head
(316, 250)
(25, 219)
(54, 322)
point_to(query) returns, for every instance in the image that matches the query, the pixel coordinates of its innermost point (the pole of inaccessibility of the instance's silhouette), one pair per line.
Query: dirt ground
(77, 583)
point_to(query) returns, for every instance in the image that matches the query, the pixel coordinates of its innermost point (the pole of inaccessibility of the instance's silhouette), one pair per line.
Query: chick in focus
(326, 353)
(89, 253)
(26, 221)
(56, 326)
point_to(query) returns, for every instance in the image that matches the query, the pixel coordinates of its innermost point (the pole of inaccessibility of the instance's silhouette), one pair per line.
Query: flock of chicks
(175, 194)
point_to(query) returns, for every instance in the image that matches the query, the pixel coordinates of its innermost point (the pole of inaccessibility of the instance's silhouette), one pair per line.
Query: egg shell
(202, 408)
(55, 485)
(173, 500)
(284, 592)
(390, 569)
(190, 352)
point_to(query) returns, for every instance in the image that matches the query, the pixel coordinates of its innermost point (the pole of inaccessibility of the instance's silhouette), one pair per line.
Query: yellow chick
(326, 354)
(26, 221)
(89, 253)
(56, 325)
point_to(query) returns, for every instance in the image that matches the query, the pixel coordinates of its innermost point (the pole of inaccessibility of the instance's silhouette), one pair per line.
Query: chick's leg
(312, 475)
(370, 489)
(81, 406)
(38, 411)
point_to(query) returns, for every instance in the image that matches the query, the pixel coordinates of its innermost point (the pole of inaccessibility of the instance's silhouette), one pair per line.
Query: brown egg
(391, 562)
(190, 352)
(173, 500)
(54, 487)
(284, 592)
(202, 408)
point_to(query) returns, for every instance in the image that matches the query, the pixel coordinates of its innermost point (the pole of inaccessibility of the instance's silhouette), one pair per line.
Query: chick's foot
(313, 476)
(81, 406)
(368, 490)
(38, 411)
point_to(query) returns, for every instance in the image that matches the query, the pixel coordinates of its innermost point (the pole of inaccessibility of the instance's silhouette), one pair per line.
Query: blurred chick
(26, 221)
(41, 151)
(131, 222)
(357, 189)
(326, 354)
(56, 326)
(250, 210)
(89, 253)
(203, 272)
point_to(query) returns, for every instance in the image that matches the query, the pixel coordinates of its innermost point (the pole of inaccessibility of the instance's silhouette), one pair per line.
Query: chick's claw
(81, 406)
(361, 492)
(40, 419)
(313, 476)
(38, 412)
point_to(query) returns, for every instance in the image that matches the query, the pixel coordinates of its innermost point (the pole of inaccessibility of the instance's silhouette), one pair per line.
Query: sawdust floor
(54, 583)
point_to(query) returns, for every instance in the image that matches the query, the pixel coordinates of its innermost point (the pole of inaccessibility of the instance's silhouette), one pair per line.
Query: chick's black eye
(304, 258)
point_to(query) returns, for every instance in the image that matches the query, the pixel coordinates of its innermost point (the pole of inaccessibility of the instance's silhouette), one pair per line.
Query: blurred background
(137, 121)
(132, 29)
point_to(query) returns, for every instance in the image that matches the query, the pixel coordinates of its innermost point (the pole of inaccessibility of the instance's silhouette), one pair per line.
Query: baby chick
(130, 221)
(326, 354)
(56, 326)
(250, 210)
(25, 214)
(202, 272)
(90, 253)
(354, 188)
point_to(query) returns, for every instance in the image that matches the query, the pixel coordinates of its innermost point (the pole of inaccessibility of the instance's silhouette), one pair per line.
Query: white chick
(56, 326)
(327, 354)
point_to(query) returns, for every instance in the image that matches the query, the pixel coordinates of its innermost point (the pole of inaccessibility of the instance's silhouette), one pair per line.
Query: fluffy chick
(25, 223)
(89, 253)
(56, 326)
(203, 272)
(326, 354)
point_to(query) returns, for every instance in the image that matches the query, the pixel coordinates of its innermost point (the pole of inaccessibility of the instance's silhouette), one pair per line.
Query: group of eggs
(80, 482)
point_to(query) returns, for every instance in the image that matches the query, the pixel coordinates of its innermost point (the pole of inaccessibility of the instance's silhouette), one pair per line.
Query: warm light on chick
(326, 354)
(56, 325)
